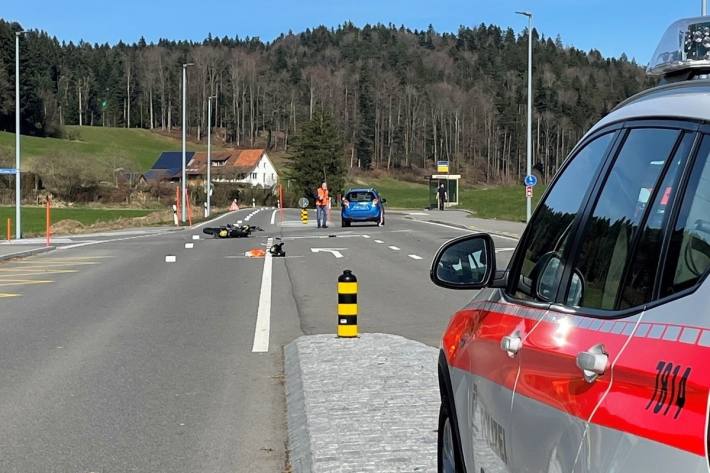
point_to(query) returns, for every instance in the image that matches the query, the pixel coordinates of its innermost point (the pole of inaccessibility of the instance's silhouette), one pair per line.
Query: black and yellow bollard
(304, 216)
(347, 305)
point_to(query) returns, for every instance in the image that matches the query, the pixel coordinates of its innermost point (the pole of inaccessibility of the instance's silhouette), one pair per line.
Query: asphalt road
(113, 360)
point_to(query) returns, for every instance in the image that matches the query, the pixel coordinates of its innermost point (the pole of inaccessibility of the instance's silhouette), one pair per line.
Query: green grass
(116, 147)
(33, 218)
(501, 202)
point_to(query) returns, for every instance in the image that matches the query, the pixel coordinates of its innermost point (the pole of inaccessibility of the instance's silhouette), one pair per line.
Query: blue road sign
(530, 180)
(8, 171)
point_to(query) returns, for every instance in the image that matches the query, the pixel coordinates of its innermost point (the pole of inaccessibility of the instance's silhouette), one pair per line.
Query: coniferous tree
(318, 156)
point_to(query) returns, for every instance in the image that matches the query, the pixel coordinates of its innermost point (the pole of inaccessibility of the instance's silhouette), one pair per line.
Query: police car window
(638, 286)
(688, 257)
(552, 225)
(608, 237)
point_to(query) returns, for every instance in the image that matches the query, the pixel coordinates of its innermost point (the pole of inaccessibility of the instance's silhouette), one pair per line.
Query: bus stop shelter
(451, 184)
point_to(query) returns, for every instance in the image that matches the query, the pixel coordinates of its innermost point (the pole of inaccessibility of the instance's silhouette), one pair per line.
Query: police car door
(567, 361)
(536, 271)
(654, 416)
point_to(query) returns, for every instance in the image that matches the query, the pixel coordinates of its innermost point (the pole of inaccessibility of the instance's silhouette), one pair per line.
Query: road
(114, 360)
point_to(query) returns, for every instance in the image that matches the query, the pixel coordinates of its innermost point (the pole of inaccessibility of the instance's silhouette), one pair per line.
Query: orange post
(177, 200)
(48, 221)
(189, 211)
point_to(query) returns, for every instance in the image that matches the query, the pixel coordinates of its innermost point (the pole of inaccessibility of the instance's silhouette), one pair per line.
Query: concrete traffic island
(368, 404)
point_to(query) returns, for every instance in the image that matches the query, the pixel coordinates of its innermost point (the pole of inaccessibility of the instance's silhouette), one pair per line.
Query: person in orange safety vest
(322, 202)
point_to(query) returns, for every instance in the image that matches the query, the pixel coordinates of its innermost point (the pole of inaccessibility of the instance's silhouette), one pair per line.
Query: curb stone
(26, 253)
(368, 404)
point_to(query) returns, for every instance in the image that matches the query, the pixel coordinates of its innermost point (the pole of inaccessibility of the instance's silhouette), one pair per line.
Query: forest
(400, 98)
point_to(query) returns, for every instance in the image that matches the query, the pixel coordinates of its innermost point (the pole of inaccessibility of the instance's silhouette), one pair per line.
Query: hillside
(400, 98)
(132, 149)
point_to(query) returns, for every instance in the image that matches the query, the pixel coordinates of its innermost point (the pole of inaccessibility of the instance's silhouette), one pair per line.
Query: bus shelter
(451, 184)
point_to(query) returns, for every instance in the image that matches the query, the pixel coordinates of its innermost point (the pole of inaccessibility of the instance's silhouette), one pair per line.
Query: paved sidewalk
(367, 404)
(462, 218)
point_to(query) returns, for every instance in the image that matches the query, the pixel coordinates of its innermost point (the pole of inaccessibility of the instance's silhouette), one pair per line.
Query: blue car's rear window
(360, 196)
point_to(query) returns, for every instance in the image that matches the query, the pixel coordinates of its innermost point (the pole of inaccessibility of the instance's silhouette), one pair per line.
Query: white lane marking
(379, 241)
(496, 235)
(195, 237)
(273, 216)
(189, 245)
(263, 315)
(500, 250)
(88, 243)
(393, 248)
(366, 236)
(170, 259)
(201, 224)
(418, 213)
(415, 256)
(334, 251)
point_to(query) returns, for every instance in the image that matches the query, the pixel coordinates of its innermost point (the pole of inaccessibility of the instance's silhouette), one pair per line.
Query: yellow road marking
(22, 282)
(7, 294)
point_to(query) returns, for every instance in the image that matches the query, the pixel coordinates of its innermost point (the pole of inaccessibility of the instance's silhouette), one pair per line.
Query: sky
(613, 27)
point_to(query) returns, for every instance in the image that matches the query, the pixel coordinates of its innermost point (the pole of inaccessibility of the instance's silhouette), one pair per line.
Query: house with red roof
(240, 166)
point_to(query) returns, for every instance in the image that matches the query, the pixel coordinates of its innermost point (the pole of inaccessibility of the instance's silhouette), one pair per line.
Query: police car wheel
(446, 448)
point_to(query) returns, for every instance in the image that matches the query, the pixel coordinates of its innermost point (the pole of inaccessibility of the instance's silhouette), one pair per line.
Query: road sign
(530, 180)
(8, 171)
(442, 167)
(529, 191)
(303, 202)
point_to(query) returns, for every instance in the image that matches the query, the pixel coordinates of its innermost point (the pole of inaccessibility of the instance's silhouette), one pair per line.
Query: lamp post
(18, 183)
(184, 123)
(704, 7)
(528, 198)
(209, 153)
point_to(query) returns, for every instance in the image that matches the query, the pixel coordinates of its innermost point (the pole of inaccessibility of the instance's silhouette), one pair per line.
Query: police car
(589, 352)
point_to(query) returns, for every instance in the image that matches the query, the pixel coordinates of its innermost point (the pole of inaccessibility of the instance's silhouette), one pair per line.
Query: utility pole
(184, 138)
(704, 7)
(528, 198)
(18, 181)
(209, 154)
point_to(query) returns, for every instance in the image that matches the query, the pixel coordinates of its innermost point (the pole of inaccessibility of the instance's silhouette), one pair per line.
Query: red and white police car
(590, 352)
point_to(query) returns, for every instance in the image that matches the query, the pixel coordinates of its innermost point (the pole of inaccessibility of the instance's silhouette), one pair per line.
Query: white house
(245, 166)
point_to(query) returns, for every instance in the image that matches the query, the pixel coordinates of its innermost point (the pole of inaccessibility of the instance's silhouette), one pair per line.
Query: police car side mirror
(467, 262)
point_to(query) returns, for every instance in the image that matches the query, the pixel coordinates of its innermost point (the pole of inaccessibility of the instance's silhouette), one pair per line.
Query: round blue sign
(530, 180)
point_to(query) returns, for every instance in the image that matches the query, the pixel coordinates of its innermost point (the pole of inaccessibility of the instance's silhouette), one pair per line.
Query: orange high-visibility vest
(322, 197)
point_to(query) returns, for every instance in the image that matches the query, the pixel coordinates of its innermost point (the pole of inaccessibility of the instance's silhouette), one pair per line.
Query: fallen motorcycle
(232, 231)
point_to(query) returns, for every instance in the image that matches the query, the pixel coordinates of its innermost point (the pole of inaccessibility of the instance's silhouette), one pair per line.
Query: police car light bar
(684, 46)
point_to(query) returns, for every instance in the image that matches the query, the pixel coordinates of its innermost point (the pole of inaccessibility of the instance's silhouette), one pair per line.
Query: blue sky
(612, 26)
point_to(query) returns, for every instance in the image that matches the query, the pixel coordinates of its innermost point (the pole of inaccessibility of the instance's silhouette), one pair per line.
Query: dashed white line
(366, 236)
(393, 248)
(263, 316)
(379, 241)
(500, 250)
(415, 256)
(273, 216)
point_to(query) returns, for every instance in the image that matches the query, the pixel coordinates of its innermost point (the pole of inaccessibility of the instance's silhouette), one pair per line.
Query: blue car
(362, 205)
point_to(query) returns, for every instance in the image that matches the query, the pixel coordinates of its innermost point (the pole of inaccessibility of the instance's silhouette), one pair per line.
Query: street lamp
(18, 184)
(184, 122)
(704, 7)
(209, 153)
(528, 197)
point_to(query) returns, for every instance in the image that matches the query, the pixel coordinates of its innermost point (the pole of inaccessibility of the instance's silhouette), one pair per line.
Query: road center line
(415, 256)
(273, 216)
(263, 316)
(393, 248)
(379, 241)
